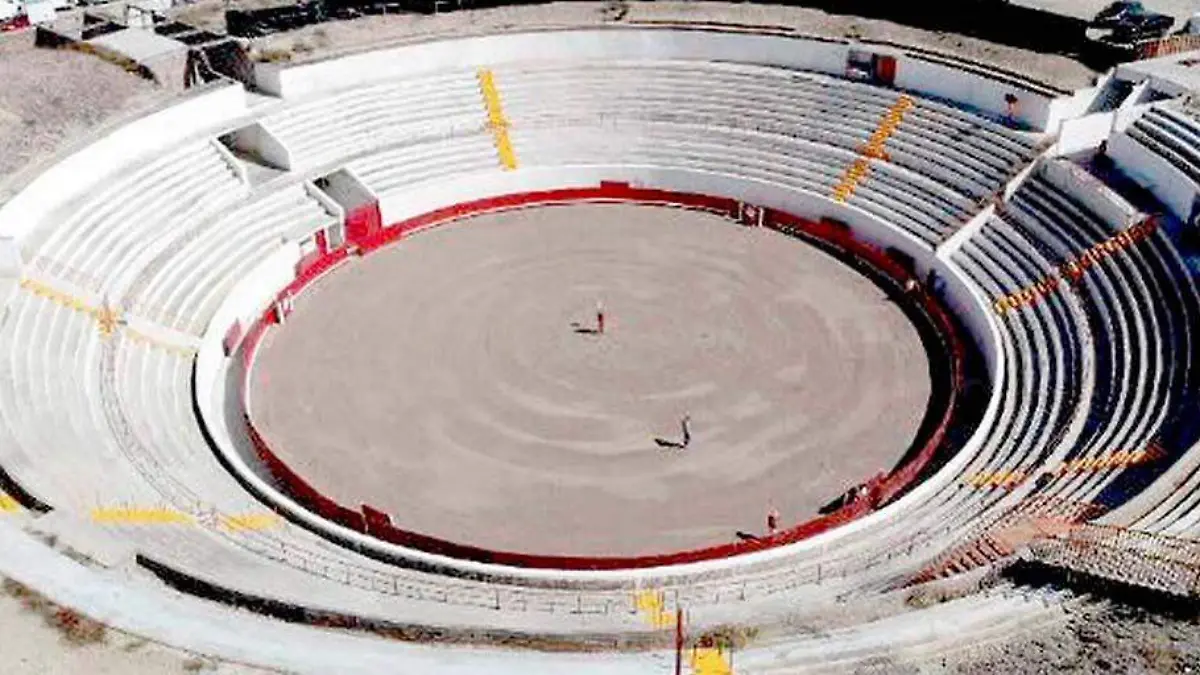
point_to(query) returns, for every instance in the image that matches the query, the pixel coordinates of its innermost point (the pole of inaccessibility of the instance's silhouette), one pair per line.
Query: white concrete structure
(130, 279)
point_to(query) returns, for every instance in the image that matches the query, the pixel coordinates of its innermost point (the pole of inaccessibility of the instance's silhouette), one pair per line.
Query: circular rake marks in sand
(453, 381)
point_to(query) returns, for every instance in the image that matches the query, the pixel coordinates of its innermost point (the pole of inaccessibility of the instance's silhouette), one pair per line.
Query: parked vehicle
(1125, 23)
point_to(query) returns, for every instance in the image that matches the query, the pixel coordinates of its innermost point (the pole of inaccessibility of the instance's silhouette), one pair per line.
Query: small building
(41, 12)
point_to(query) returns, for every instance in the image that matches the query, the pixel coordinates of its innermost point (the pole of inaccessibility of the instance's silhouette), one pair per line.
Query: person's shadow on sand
(664, 443)
(582, 329)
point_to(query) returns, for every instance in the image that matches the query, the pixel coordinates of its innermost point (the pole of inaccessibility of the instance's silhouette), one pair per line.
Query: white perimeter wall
(943, 80)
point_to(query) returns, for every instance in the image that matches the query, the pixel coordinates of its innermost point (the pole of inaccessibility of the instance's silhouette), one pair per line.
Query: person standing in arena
(772, 519)
(600, 317)
(685, 425)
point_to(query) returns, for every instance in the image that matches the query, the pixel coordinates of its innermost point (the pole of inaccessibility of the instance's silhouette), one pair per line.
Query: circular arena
(642, 347)
(547, 436)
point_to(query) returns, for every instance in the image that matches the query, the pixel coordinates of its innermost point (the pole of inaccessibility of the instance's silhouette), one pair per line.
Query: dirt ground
(34, 640)
(50, 97)
(449, 381)
(1100, 637)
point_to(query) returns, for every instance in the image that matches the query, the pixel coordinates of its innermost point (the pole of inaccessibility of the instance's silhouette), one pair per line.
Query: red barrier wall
(879, 490)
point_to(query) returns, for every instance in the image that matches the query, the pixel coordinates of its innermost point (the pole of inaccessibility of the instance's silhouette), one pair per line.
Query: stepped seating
(1136, 308)
(946, 144)
(977, 620)
(77, 404)
(126, 219)
(184, 294)
(801, 128)
(403, 168)
(1171, 134)
(341, 126)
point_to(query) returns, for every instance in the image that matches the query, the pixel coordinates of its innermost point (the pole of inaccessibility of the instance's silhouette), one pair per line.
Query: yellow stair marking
(127, 515)
(8, 504)
(249, 521)
(652, 605)
(1006, 479)
(710, 661)
(107, 319)
(497, 122)
(874, 149)
(1110, 460)
(1120, 459)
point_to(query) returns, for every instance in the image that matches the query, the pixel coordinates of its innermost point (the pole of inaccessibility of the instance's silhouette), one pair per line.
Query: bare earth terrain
(49, 97)
(444, 380)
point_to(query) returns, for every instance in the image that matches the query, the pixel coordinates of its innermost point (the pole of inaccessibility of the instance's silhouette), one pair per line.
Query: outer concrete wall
(83, 171)
(1036, 109)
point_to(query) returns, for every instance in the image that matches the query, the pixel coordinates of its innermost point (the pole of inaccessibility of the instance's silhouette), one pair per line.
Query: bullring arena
(306, 372)
(761, 339)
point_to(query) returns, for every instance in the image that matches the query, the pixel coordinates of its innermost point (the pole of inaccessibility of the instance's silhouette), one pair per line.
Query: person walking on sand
(600, 317)
(685, 425)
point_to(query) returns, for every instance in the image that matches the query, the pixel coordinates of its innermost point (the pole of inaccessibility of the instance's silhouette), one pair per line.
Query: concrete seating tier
(354, 122)
(894, 197)
(956, 149)
(1171, 134)
(94, 415)
(1142, 307)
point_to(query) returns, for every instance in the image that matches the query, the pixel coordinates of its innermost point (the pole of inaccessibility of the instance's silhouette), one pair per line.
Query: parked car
(1127, 22)
(1117, 12)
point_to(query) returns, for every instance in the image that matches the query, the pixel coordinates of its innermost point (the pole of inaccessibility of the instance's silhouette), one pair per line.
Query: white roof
(138, 44)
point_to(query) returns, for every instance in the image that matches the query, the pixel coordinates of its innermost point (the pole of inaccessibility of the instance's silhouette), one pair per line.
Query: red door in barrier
(363, 222)
(885, 69)
(311, 250)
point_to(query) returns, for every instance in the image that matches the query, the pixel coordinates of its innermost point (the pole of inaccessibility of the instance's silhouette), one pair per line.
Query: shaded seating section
(1140, 306)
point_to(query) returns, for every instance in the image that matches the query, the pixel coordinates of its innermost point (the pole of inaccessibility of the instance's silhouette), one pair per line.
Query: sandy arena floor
(444, 380)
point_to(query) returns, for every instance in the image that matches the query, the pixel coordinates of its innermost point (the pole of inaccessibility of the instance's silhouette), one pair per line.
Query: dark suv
(1130, 21)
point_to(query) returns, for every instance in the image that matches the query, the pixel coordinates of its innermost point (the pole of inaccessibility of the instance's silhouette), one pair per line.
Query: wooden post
(678, 641)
